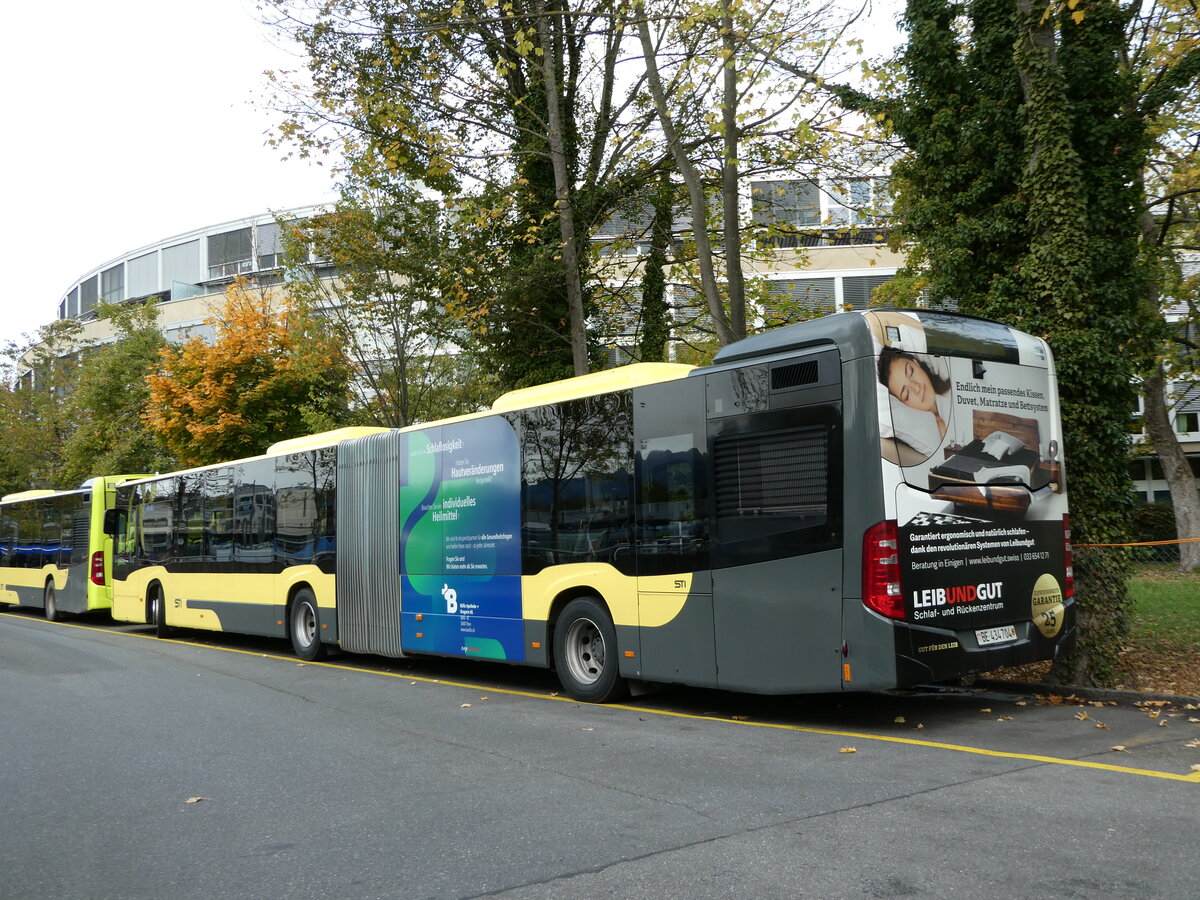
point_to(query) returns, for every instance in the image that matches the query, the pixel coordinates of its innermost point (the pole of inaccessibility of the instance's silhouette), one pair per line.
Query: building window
(143, 274)
(230, 253)
(856, 289)
(89, 292)
(268, 246)
(787, 203)
(1187, 422)
(112, 284)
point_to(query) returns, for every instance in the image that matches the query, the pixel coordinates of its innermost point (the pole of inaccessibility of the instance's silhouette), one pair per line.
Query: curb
(1131, 698)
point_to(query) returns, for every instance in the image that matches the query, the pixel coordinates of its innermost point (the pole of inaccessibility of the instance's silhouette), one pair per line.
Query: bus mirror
(111, 517)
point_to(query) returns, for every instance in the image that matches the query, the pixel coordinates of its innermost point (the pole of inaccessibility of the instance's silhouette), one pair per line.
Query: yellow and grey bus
(54, 554)
(858, 502)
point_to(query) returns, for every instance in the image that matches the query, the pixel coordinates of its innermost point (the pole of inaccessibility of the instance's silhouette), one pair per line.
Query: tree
(391, 304)
(109, 400)
(1164, 53)
(270, 373)
(34, 410)
(1027, 137)
(523, 102)
(738, 89)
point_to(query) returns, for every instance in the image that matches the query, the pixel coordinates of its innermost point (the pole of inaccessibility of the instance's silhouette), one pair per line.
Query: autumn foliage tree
(271, 372)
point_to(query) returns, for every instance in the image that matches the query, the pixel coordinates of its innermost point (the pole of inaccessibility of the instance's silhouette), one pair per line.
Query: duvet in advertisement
(460, 541)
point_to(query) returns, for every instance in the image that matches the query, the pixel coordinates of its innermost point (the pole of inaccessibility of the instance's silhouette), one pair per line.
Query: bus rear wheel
(158, 613)
(304, 626)
(585, 652)
(50, 604)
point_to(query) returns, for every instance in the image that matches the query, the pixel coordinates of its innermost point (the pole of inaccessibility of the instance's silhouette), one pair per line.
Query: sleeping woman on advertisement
(921, 404)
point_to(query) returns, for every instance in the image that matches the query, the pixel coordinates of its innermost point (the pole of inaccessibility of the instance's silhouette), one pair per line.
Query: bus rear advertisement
(858, 502)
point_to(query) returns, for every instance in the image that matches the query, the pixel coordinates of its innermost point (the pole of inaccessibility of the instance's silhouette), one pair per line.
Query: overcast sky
(128, 122)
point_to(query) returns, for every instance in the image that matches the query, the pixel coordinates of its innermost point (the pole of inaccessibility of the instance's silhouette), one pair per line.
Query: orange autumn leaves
(272, 372)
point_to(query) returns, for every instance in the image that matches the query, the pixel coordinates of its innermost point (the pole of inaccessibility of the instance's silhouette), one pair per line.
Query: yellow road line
(1194, 777)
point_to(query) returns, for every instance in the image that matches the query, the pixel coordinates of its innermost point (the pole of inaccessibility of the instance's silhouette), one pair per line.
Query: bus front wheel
(585, 652)
(158, 613)
(50, 604)
(304, 626)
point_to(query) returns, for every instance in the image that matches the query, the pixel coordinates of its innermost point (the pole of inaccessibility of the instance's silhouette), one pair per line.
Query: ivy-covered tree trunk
(1019, 197)
(656, 325)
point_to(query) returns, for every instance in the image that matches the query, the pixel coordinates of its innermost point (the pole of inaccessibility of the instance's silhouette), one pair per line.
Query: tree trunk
(1176, 468)
(691, 178)
(731, 224)
(562, 200)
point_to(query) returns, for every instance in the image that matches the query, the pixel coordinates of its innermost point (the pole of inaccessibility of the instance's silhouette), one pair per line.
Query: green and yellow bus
(858, 502)
(54, 554)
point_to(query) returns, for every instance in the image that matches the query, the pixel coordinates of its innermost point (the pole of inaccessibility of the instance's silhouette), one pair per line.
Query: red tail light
(1069, 586)
(98, 568)
(881, 570)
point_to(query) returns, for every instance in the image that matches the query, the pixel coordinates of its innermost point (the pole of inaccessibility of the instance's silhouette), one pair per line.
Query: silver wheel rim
(585, 651)
(305, 624)
(51, 603)
(154, 608)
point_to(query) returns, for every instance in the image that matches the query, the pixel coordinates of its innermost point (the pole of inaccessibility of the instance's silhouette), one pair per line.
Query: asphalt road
(377, 778)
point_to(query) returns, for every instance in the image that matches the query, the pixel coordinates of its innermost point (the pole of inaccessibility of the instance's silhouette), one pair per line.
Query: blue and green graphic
(460, 541)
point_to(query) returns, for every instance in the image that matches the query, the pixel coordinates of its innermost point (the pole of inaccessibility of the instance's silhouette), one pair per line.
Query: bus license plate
(997, 635)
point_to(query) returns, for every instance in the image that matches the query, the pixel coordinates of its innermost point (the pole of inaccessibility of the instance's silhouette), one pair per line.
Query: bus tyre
(304, 626)
(585, 652)
(158, 613)
(50, 603)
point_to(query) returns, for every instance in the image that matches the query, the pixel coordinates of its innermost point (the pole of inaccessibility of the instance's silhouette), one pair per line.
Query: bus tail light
(881, 570)
(1069, 579)
(98, 568)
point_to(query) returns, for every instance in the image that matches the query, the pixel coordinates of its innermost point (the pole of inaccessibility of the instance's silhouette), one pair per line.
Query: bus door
(672, 529)
(775, 444)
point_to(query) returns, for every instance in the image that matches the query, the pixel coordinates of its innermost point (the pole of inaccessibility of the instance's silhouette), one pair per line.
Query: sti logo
(451, 597)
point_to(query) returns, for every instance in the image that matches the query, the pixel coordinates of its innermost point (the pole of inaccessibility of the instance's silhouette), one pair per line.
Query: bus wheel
(585, 652)
(158, 613)
(304, 626)
(50, 603)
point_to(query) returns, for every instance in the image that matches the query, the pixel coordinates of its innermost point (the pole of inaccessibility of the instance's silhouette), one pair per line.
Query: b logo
(451, 596)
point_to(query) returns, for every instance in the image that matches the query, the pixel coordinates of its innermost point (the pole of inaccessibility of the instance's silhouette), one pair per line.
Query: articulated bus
(54, 554)
(859, 502)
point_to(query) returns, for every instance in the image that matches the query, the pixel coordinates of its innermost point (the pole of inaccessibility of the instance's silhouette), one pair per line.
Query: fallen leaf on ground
(986, 709)
(1004, 719)
(899, 720)
(847, 749)
(465, 706)
(195, 799)
(1082, 715)
(1120, 747)
(1101, 725)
